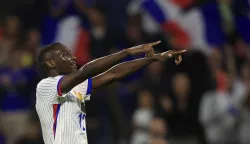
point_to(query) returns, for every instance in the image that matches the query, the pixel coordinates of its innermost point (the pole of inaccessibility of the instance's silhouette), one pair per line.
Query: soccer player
(61, 95)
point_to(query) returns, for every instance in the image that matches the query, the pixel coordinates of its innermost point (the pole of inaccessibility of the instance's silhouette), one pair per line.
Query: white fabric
(191, 22)
(70, 122)
(142, 117)
(216, 115)
(68, 31)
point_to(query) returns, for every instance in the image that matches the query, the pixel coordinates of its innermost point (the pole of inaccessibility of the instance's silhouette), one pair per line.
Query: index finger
(180, 51)
(154, 43)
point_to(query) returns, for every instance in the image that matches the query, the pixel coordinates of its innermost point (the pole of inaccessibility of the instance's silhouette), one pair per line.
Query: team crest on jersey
(78, 95)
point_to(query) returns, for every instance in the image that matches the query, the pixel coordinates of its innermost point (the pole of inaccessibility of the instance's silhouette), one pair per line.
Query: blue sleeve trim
(59, 90)
(89, 88)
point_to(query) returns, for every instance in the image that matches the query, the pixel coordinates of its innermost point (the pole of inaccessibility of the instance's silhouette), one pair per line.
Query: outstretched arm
(126, 68)
(100, 65)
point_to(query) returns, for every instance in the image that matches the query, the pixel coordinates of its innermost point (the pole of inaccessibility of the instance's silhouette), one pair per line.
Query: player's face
(65, 61)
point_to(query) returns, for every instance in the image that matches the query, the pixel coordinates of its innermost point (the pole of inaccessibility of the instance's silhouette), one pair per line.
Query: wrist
(128, 51)
(134, 50)
(154, 58)
(157, 57)
(125, 52)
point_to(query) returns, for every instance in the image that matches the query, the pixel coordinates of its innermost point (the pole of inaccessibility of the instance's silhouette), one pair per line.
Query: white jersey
(62, 116)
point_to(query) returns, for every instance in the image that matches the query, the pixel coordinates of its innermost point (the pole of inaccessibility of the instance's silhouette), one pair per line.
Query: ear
(50, 63)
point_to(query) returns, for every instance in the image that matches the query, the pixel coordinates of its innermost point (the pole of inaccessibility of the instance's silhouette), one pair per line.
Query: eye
(65, 54)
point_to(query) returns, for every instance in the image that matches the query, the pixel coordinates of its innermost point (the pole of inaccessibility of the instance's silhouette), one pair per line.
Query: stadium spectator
(244, 124)
(16, 82)
(10, 37)
(101, 37)
(92, 32)
(181, 123)
(216, 61)
(245, 72)
(32, 135)
(33, 42)
(142, 117)
(158, 131)
(153, 80)
(220, 110)
(166, 106)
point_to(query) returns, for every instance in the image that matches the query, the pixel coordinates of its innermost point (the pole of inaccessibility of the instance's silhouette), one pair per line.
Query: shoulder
(46, 81)
(49, 82)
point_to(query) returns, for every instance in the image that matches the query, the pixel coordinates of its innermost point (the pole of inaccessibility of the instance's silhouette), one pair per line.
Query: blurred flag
(164, 13)
(71, 29)
(70, 32)
(183, 3)
(199, 27)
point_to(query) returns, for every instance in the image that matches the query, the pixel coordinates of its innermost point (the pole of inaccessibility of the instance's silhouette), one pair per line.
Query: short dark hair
(43, 68)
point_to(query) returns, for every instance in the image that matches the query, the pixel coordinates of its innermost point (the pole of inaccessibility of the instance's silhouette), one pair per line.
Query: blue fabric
(242, 26)
(49, 30)
(12, 99)
(152, 7)
(2, 141)
(50, 24)
(212, 23)
(241, 7)
(233, 111)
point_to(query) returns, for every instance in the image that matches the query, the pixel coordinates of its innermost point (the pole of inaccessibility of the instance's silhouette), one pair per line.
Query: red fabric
(240, 49)
(55, 109)
(82, 48)
(179, 37)
(182, 3)
(221, 80)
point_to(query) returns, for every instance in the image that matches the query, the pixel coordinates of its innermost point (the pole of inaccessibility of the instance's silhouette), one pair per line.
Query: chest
(71, 102)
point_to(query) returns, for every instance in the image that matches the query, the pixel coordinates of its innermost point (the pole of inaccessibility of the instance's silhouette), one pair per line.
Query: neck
(53, 73)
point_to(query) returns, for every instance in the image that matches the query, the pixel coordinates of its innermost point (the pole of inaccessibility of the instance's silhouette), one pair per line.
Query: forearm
(127, 68)
(91, 69)
(102, 64)
(121, 70)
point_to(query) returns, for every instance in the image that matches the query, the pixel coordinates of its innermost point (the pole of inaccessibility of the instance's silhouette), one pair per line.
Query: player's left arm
(123, 69)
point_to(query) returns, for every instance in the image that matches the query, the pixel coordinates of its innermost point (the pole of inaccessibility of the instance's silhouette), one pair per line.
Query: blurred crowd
(205, 100)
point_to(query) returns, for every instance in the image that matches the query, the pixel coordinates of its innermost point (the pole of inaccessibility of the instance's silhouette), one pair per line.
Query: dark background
(159, 104)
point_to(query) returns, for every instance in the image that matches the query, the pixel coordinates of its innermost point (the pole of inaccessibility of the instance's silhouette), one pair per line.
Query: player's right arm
(100, 65)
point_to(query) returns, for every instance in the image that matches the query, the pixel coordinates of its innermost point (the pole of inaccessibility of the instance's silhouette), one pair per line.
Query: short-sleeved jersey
(62, 116)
